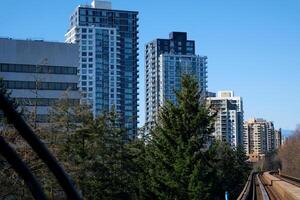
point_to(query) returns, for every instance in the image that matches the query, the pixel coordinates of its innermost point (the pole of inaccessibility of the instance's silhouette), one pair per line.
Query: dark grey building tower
(108, 45)
(166, 60)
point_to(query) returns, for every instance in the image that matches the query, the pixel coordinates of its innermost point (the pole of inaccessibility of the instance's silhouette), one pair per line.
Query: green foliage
(176, 160)
(179, 163)
(101, 160)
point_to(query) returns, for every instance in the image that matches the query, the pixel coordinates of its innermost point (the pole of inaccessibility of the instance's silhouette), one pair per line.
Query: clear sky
(253, 46)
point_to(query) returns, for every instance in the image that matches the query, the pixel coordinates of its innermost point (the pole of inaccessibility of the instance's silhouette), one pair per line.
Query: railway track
(270, 194)
(288, 179)
(259, 187)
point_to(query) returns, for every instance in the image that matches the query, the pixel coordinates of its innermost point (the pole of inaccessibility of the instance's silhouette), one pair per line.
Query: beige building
(260, 137)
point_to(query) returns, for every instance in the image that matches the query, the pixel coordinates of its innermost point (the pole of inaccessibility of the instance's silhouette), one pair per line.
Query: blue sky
(253, 46)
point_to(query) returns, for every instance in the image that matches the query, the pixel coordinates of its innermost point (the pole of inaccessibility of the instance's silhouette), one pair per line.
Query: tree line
(286, 158)
(175, 160)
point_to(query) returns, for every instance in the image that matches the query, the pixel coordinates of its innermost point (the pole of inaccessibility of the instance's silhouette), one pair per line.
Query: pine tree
(176, 151)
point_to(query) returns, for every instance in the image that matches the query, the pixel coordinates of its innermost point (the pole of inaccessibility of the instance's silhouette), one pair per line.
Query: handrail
(42, 151)
(247, 189)
(290, 177)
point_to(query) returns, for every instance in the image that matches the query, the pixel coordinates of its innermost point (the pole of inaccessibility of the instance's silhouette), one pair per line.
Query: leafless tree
(289, 155)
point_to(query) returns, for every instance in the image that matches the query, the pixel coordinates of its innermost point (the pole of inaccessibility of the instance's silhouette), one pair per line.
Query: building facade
(166, 60)
(38, 73)
(260, 137)
(278, 139)
(108, 70)
(255, 136)
(229, 119)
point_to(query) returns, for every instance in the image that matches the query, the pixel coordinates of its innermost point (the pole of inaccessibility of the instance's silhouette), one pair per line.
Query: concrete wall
(35, 52)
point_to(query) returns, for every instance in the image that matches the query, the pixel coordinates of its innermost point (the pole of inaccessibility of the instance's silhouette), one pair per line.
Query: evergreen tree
(176, 157)
(181, 162)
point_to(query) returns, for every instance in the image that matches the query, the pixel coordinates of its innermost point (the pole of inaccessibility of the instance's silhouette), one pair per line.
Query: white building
(38, 73)
(229, 120)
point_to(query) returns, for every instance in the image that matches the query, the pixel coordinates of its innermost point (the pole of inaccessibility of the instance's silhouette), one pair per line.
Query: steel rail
(289, 179)
(262, 188)
(247, 192)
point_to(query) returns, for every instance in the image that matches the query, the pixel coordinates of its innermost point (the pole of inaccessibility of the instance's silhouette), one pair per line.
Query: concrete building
(230, 117)
(260, 137)
(270, 136)
(255, 136)
(38, 73)
(108, 70)
(166, 60)
(278, 139)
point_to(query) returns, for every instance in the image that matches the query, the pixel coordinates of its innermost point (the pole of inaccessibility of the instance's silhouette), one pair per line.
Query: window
(41, 69)
(41, 86)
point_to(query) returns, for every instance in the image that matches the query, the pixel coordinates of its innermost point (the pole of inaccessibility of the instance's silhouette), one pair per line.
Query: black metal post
(22, 170)
(27, 133)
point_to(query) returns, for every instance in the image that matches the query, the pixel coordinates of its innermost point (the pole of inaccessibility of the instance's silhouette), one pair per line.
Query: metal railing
(248, 192)
(41, 150)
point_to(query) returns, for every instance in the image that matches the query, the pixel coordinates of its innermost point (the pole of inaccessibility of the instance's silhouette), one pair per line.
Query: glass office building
(108, 46)
(166, 60)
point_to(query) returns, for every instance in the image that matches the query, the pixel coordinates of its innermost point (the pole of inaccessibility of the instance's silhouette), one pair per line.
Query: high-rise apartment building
(38, 73)
(108, 71)
(255, 136)
(166, 60)
(229, 119)
(270, 136)
(260, 137)
(278, 139)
